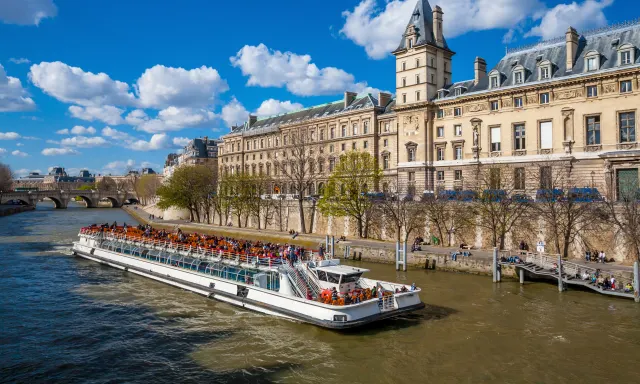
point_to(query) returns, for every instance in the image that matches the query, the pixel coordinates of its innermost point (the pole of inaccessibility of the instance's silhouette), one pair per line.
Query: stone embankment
(6, 210)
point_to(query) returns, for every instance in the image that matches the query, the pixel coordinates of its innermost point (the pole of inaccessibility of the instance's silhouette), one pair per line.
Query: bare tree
(298, 167)
(6, 178)
(405, 213)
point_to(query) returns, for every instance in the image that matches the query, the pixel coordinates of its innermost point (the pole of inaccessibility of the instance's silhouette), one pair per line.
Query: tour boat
(302, 290)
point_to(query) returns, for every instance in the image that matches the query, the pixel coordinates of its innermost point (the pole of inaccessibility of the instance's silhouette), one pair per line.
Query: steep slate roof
(603, 41)
(422, 19)
(266, 123)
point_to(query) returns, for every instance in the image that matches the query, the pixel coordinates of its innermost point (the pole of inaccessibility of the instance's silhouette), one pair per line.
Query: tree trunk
(313, 216)
(360, 227)
(303, 225)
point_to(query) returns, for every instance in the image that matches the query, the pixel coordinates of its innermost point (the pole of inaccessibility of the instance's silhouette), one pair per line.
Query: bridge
(61, 197)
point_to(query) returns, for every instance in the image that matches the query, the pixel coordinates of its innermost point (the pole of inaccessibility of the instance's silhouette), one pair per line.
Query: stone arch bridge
(61, 198)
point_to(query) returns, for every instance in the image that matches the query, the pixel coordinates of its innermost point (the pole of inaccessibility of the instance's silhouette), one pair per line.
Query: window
(627, 122)
(387, 126)
(519, 137)
(417, 95)
(545, 178)
(385, 162)
(365, 144)
(592, 91)
(546, 135)
(410, 43)
(285, 140)
(331, 148)
(440, 153)
(417, 63)
(494, 105)
(440, 131)
(432, 62)
(592, 64)
(385, 143)
(355, 129)
(517, 77)
(517, 102)
(332, 164)
(593, 130)
(417, 79)
(411, 154)
(404, 66)
(519, 178)
(457, 130)
(343, 147)
(365, 127)
(544, 73)
(433, 78)
(626, 86)
(494, 81)
(627, 184)
(404, 81)
(440, 175)
(353, 146)
(457, 91)
(625, 57)
(544, 98)
(457, 111)
(440, 113)
(412, 176)
(333, 133)
(457, 152)
(495, 139)
(404, 98)
(457, 174)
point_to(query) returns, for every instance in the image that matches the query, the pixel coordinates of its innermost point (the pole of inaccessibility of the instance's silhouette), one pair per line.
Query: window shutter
(495, 135)
(546, 141)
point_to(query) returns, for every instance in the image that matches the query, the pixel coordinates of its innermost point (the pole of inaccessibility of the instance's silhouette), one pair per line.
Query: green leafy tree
(347, 191)
(188, 188)
(146, 188)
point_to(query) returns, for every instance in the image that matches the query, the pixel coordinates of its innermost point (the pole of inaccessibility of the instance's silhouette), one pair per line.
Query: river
(66, 319)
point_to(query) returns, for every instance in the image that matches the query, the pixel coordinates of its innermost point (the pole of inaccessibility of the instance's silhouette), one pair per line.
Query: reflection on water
(68, 319)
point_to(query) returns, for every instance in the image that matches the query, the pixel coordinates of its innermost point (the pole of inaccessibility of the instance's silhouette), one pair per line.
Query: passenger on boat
(404, 289)
(413, 287)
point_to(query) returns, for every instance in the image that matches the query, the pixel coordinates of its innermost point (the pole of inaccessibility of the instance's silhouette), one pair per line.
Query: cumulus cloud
(13, 98)
(26, 12)
(136, 117)
(379, 30)
(271, 68)
(118, 167)
(181, 141)
(157, 141)
(234, 113)
(19, 153)
(9, 136)
(84, 142)
(175, 119)
(273, 107)
(162, 87)
(20, 60)
(24, 172)
(116, 135)
(19, 145)
(556, 20)
(74, 85)
(107, 114)
(77, 130)
(59, 151)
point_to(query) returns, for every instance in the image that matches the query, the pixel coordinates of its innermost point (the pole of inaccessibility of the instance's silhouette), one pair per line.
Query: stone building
(199, 151)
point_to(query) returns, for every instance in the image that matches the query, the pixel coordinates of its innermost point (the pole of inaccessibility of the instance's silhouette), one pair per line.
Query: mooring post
(636, 282)
(347, 251)
(404, 257)
(521, 275)
(560, 284)
(397, 255)
(494, 266)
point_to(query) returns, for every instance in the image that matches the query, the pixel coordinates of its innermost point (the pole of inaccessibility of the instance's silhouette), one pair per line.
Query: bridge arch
(89, 201)
(114, 202)
(57, 202)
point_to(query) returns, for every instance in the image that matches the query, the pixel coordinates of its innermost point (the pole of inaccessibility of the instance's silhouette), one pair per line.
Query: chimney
(437, 25)
(572, 47)
(383, 99)
(479, 69)
(252, 120)
(349, 97)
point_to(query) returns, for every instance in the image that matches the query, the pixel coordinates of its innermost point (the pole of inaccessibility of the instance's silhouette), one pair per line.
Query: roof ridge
(312, 107)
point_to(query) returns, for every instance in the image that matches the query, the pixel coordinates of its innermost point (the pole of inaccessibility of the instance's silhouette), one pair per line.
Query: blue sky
(117, 84)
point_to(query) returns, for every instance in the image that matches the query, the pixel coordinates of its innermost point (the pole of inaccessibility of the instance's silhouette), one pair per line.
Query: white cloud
(24, 172)
(19, 153)
(3, 152)
(77, 130)
(270, 68)
(136, 117)
(379, 30)
(583, 16)
(181, 141)
(26, 12)
(234, 113)
(59, 151)
(272, 107)
(175, 119)
(84, 142)
(106, 113)
(118, 167)
(20, 60)
(157, 141)
(162, 87)
(9, 136)
(116, 135)
(19, 145)
(73, 85)
(13, 98)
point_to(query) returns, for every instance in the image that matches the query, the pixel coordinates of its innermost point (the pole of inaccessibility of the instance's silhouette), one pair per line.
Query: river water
(67, 319)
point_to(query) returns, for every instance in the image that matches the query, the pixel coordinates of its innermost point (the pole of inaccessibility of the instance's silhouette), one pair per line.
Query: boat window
(333, 278)
(351, 278)
(322, 275)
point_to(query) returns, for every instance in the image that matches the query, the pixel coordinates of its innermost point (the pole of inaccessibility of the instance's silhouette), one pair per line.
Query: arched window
(411, 154)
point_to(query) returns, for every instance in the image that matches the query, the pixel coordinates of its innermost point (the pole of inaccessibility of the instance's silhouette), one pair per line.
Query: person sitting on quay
(585, 275)
(628, 288)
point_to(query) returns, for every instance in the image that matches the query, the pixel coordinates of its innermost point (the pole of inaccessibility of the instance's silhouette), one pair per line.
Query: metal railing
(298, 283)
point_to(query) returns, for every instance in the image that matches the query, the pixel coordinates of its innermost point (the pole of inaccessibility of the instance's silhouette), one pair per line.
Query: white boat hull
(255, 298)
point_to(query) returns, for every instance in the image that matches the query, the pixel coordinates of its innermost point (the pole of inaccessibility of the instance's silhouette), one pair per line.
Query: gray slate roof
(422, 19)
(605, 42)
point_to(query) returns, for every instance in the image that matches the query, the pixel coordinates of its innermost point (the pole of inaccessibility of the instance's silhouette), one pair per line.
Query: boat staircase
(571, 274)
(303, 282)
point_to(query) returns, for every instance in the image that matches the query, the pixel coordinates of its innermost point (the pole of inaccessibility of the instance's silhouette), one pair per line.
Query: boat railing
(298, 282)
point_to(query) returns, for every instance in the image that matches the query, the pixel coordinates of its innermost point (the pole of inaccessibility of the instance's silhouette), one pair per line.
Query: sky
(116, 85)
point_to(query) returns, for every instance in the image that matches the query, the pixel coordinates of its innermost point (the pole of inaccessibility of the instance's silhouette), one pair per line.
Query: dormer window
(592, 61)
(626, 54)
(494, 79)
(544, 70)
(410, 42)
(518, 74)
(442, 93)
